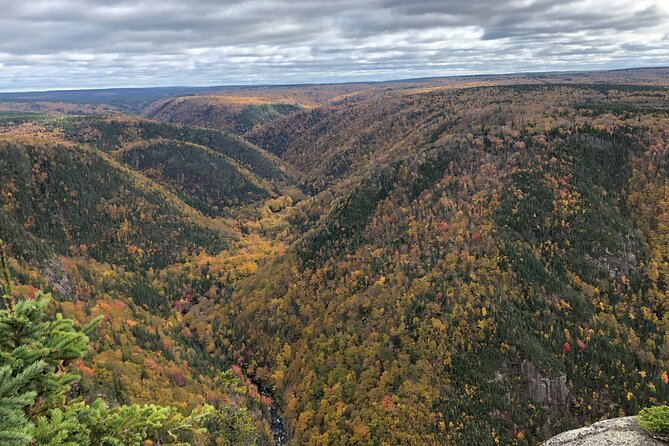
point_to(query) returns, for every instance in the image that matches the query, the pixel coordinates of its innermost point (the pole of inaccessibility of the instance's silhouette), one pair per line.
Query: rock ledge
(614, 432)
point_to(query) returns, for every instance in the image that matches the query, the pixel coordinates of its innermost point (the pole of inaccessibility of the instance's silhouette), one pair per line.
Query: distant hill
(222, 113)
(123, 100)
(242, 109)
(136, 100)
(330, 142)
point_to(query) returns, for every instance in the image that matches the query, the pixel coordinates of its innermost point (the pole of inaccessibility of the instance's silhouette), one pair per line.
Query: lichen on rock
(615, 432)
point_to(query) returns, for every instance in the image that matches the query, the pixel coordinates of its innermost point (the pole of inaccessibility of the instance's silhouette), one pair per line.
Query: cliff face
(614, 432)
(552, 393)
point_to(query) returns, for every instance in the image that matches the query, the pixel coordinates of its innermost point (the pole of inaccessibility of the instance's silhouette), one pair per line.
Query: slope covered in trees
(38, 396)
(98, 233)
(235, 114)
(473, 242)
(471, 261)
(215, 172)
(71, 199)
(112, 133)
(207, 180)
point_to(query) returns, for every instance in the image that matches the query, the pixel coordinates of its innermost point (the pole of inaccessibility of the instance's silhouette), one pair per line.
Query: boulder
(615, 432)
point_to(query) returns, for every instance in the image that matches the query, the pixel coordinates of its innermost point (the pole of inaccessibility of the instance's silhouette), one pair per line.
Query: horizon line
(352, 82)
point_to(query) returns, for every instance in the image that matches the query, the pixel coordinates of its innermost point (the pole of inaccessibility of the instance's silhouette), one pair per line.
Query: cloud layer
(46, 44)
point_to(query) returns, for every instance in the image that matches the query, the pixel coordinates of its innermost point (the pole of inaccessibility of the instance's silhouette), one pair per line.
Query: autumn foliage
(391, 264)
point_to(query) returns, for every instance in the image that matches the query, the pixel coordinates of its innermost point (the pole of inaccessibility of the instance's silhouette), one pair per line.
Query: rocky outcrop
(614, 432)
(57, 278)
(548, 392)
(551, 394)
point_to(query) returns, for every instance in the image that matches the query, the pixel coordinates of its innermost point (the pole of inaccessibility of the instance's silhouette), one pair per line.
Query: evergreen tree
(35, 406)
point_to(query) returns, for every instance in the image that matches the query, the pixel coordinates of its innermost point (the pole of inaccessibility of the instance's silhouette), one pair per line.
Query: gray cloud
(95, 43)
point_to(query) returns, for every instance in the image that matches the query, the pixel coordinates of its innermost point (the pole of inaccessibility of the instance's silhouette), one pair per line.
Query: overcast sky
(53, 44)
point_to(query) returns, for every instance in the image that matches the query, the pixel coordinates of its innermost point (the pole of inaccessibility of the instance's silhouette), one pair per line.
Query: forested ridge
(426, 264)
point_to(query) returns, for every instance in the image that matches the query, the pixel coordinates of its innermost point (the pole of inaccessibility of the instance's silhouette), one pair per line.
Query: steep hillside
(98, 234)
(215, 172)
(329, 142)
(114, 133)
(205, 179)
(484, 267)
(79, 201)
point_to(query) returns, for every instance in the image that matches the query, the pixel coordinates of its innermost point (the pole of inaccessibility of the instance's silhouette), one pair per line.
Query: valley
(457, 261)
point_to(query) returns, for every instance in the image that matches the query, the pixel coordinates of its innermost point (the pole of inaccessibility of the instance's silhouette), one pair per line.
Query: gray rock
(551, 394)
(548, 392)
(614, 432)
(57, 278)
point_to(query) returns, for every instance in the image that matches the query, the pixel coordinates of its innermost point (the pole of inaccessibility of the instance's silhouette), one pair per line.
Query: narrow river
(276, 423)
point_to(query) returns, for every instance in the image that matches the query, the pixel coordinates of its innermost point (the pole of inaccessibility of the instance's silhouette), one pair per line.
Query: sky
(68, 44)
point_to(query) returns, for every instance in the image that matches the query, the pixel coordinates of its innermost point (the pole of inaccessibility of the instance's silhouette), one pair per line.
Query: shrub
(655, 421)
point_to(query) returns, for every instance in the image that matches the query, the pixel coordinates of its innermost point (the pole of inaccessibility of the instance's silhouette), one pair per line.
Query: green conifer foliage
(35, 406)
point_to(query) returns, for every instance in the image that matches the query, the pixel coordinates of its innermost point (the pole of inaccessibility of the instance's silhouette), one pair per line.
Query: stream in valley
(276, 424)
